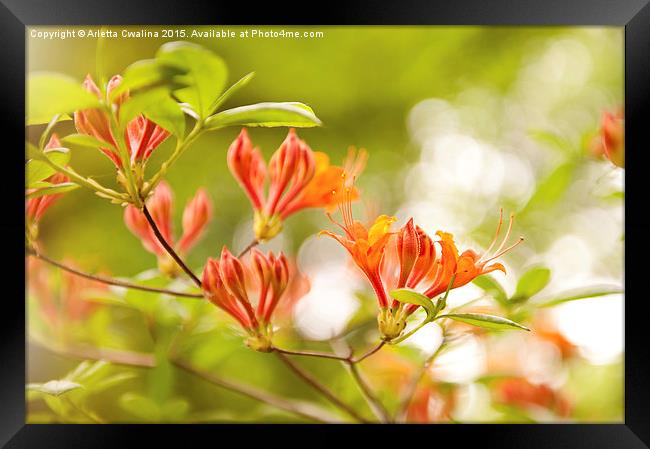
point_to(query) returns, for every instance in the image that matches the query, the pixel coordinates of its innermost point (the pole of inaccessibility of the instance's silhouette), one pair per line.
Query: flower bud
(408, 248)
(247, 166)
(196, 215)
(613, 132)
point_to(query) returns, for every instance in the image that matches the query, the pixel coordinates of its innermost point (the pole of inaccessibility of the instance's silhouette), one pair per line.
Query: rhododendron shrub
(247, 294)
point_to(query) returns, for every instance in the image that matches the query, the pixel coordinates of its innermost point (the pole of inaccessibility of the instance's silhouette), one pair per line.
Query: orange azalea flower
(612, 130)
(365, 245)
(196, 215)
(141, 136)
(299, 178)
(610, 141)
(226, 284)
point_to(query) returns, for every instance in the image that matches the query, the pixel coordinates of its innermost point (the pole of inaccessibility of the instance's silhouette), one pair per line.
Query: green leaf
(205, 76)
(157, 106)
(574, 295)
(52, 189)
(148, 73)
(83, 140)
(492, 287)
(551, 189)
(49, 94)
(37, 170)
(266, 115)
(483, 320)
(552, 140)
(406, 295)
(231, 91)
(54, 387)
(531, 283)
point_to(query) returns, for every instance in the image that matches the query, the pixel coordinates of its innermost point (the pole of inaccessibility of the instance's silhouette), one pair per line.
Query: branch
(323, 355)
(323, 390)
(169, 249)
(111, 281)
(297, 408)
(375, 405)
(369, 353)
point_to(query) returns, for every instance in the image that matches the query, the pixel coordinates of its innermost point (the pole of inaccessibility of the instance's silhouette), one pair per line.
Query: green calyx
(266, 227)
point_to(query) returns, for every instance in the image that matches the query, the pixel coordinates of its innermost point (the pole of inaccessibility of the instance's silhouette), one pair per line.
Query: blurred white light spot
(427, 339)
(595, 325)
(463, 362)
(324, 312)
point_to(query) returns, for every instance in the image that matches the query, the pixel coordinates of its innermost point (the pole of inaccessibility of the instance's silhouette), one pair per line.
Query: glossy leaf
(52, 189)
(49, 94)
(38, 170)
(205, 74)
(486, 321)
(574, 295)
(265, 115)
(491, 287)
(83, 140)
(148, 73)
(157, 106)
(405, 295)
(531, 283)
(231, 91)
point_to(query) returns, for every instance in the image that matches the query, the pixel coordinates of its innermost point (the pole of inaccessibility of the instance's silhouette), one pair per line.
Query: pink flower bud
(613, 137)
(247, 166)
(196, 215)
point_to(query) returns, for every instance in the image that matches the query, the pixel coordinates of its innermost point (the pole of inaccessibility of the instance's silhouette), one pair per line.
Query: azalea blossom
(299, 178)
(228, 284)
(418, 263)
(141, 135)
(196, 215)
(521, 393)
(610, 141)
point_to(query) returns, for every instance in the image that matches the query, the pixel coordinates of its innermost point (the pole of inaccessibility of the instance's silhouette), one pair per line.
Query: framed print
(411, 219)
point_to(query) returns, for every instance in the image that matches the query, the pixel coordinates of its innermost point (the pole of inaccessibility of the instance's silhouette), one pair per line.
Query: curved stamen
(496, 234)
(519, 240)
(505, 239)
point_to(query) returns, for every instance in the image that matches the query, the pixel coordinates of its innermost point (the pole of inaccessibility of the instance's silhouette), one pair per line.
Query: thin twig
(111, 281)
(323, 390)
(369, 353)
(375, 405)
(297, 408)
(250, 246)
(323, 355)
(167, 247)
(116, 356)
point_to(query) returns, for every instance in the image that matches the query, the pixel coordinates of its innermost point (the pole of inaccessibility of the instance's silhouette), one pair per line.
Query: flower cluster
(227, 284)
(299, 178)
(417, 263)
(141, 135)
(196, 215)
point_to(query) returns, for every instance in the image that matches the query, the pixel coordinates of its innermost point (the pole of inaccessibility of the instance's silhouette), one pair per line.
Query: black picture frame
(634, 15)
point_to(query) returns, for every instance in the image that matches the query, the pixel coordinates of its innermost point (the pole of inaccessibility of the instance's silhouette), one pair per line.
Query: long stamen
(505, 239)
(519, 240)
(496, 234)
(329, 216)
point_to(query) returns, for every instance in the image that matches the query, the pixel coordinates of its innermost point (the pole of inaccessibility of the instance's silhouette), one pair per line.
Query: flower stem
(323, 390)
(250, 246)
(167, 247)
(323, 355)
(297, 408)
(111, 281)
(369, 353)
